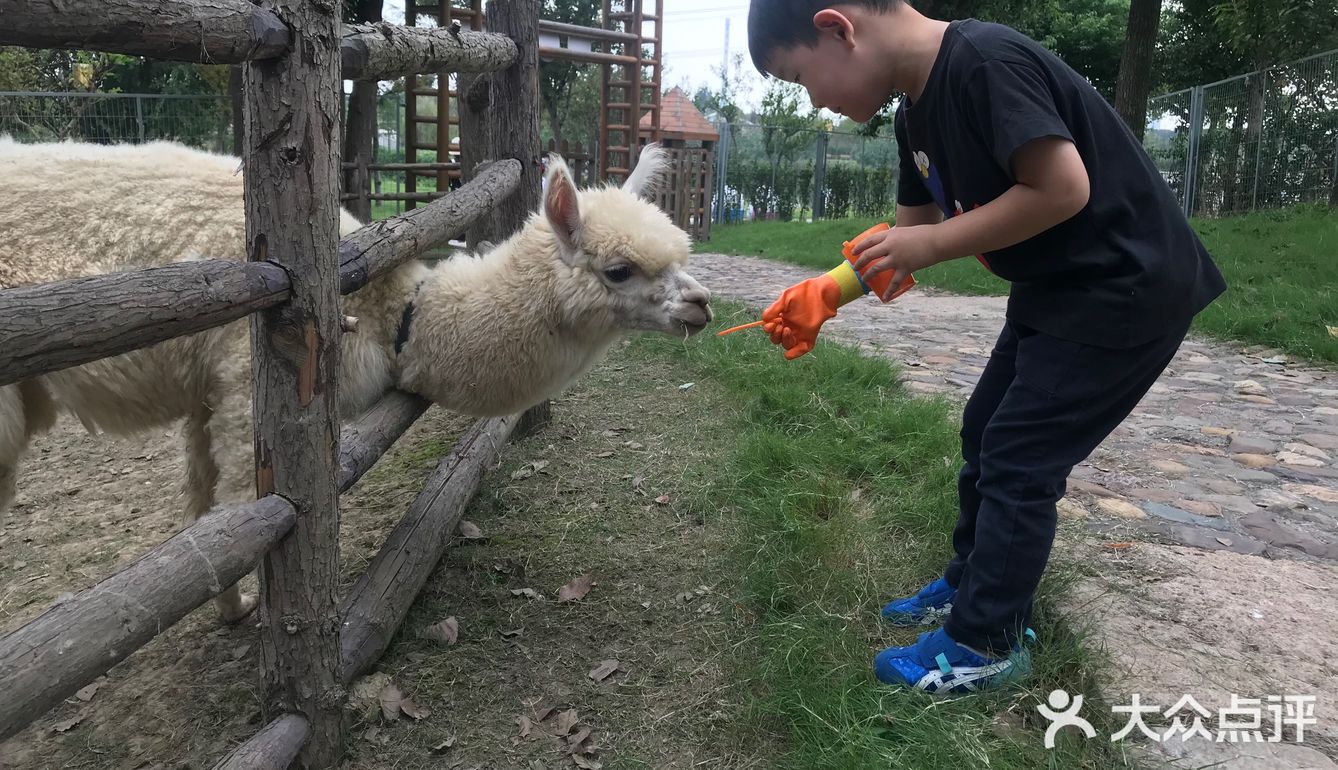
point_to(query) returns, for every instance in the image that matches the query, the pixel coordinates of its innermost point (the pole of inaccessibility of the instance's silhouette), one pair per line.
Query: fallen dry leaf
(604, 670)
(414, 710)
(67, 724)
(576, 589)
(528, 593)
(1223, 540)
(543, 713)
(526, 727)
(1333, 330)
(634, 445)
(637, 481)
(391, 698)
(445, 632)
(470, 531)
(513, 633)
(441, 748)
(604, 454)
(574, 741)
(86, 694)
(1120, 545)
(566, 721)
(586, 763)
(662, 499)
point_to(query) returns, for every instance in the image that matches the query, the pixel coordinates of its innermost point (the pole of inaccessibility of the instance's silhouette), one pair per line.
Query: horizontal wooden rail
(388, 51)
(51, 326)
(363, 441)
(588, 57)
(210, 31)
(382, 245)
(74, 642)
(586, 33)
(376, 605)
(273, 748)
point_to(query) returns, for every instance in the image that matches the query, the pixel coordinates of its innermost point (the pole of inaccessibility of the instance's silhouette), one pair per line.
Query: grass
(1280, 267)
(842, 491)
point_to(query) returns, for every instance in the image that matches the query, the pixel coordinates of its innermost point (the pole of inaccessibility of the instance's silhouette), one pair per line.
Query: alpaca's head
(627, 258)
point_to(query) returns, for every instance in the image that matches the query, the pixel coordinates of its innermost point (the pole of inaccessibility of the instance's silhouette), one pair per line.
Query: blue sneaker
(929, 607)
(940, 666)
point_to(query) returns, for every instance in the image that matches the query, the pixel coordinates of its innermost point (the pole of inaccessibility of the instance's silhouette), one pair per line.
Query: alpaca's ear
(646, 176)
(561, 207)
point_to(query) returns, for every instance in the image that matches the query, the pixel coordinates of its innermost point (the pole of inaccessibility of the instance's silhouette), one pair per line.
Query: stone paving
(1234, 448)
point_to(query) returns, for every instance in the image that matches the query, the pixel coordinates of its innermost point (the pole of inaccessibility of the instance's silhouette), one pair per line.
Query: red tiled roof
(680, 118)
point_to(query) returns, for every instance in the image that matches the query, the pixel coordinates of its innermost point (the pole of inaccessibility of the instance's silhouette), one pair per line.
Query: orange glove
(793, 320)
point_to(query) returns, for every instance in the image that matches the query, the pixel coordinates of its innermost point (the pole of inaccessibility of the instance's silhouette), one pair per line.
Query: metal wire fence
(199, 121)
(775, 172)
(1263, 140)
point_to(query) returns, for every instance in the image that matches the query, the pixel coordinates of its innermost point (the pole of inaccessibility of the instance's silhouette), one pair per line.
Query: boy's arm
(1051, 186)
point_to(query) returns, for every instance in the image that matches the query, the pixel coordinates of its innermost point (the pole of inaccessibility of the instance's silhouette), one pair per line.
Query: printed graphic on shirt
(935, 187)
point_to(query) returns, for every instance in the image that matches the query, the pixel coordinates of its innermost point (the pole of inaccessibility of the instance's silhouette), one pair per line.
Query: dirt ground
(595, 493)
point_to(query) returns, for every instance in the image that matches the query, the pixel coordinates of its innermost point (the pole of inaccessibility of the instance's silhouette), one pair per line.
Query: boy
(1040, 179)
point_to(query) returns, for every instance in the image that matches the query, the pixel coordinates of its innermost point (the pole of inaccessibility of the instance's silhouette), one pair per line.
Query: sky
(694, 38)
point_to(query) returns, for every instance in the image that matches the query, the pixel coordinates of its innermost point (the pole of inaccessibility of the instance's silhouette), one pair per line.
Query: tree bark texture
(514, 114)
(475, 123)
(78, 640)
(1131, 90)
(52, 326)
(273, 748)
(292, 219)
(390, 51)
(376, 606)
(360, 147)
(360, 127)
(386, 243)
(364, 440)
(209, 31)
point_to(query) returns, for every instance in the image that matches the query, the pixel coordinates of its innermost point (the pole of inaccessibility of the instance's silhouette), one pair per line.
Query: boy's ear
(832, 22)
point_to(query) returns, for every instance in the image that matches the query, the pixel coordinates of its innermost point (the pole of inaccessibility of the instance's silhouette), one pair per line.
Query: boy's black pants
(1042, 405)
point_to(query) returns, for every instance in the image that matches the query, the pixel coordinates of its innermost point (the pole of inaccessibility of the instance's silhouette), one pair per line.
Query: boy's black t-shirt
(1122, 271)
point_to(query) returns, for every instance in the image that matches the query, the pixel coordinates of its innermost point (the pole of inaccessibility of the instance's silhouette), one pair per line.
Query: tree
(785, 130)
(564, 84)
(1131, 94)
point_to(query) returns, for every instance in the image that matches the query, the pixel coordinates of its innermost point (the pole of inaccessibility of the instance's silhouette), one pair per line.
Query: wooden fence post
(292, 193)
(514, 132)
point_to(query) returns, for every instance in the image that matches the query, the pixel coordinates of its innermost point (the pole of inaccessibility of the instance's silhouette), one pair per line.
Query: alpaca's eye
(618, 274)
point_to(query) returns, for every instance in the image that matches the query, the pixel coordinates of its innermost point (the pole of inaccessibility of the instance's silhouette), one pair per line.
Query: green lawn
(843, 489)
(1281, 269)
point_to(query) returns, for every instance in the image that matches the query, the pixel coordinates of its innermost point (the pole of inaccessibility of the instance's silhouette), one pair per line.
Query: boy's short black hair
(776, 24)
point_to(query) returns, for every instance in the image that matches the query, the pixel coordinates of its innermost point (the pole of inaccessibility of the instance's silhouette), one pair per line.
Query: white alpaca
(487, 335)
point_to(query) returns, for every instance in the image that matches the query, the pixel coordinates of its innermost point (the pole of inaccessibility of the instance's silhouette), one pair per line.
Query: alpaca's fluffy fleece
(490, 335)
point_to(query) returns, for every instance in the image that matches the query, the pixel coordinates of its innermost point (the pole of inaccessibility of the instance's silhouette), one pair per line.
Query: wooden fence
(685, 194)
(312, 643)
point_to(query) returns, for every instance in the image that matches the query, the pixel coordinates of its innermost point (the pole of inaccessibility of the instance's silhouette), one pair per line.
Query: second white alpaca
(484, 335)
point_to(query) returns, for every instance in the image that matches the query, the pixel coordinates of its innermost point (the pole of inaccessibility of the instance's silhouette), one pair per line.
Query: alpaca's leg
(25, 409)
(201, 483)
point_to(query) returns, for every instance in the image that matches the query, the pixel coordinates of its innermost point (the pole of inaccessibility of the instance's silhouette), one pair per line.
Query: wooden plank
(65, 323)
(78, 640)
(363, 441)
(273, 748)
(292, 218)
(386, 243)
(209, 31)
(376, 605)
(383, 51)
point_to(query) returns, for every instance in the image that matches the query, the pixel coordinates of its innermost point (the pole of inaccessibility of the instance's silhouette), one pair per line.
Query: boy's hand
(793, 320)
(903, 250)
